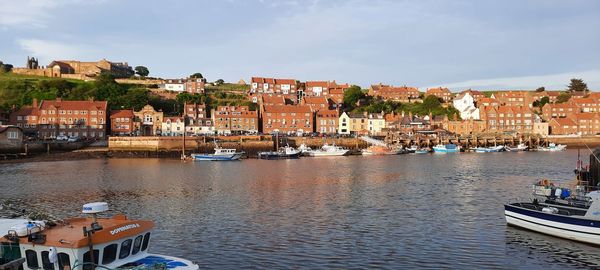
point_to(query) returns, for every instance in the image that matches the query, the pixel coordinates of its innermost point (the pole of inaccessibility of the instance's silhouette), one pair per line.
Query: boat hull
(212, 157)
(568, 227)
(445, 150)
(275, 156)
(326, 153)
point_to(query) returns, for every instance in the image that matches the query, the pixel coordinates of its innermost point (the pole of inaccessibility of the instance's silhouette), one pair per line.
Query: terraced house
(122, 122)
(401, 94)
(441, 92)
(270, 86)
(235, 120)
(518, 119)
(287, 119)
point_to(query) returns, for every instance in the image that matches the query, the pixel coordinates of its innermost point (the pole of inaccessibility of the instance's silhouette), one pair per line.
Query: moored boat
(83, 243)
(221, 154)
(493, 149)
(285, 152)
(325, 151)
(413, 148)
(381, 150)
(447, 148)
(422, 151)
(519, 148)
(552, 147)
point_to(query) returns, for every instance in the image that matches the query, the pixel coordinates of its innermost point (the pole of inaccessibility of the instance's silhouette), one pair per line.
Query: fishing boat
(493, 149)
(562, 212)
(519, 148)
(325, 151)
(221, 154)
(376, 150)
(447, 148)
(285, 152)
(422, 151)
(84, 243)
(413, 148)
(552, 147)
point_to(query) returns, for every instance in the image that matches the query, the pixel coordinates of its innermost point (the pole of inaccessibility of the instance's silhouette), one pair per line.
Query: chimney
(58, 99)
(410, 115)
(35, 103)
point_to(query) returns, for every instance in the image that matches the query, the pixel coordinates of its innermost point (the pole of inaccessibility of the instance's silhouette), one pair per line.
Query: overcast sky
(459, 44)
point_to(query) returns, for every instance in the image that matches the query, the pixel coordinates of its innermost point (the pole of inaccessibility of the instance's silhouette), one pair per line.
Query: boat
(493, 149)
(519, 148)
(552, 147)
(285, 152)
(221, 154)
(381, 150)
(85, 243)
(325, 151)
(413, 148)
(562, 212)
(423, 151)
(448, 148)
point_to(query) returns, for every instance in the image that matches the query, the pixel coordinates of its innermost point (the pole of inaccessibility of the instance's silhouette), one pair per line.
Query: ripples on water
(408, 211)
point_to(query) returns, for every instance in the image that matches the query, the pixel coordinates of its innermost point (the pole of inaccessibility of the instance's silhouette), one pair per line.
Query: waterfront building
(465, 127)
(441, 92)
(588, 123)
(352, 123)
(376, 123)
(556, 110)
(327, 121)
(172, 126)
(287, 119)
(465, 104)
(11, 138)
(563, 126)
(86, 119)
(148, 122)
(200, 126)
(122, 122)
(26, 118)
(234, 120)
(586, 104)
(541, 128)
(401, 94)
(518, 119)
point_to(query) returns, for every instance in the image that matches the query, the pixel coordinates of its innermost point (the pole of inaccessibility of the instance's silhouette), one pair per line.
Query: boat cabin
(81, 243)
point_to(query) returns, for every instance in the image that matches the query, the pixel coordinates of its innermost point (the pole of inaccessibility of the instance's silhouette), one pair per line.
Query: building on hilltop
(73, 69)
(400, 94)
(442, 93)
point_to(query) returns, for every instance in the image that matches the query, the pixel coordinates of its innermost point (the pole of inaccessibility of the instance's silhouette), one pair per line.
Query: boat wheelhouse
(83, 243)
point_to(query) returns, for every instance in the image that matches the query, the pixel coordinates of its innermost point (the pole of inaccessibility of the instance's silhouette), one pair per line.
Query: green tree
(219, 82)
(5, 67)
(563, 97)
(142, 71)
(196, 75)
(431, 102)
(352, 95)
(577, 85)
(135, 98)
(540, 89)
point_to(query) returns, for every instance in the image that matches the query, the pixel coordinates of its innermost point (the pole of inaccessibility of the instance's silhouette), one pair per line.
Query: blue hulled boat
(448, 148)
(219, 155)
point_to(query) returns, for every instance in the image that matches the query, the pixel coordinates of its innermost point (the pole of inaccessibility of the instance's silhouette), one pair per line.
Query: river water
(406, 211)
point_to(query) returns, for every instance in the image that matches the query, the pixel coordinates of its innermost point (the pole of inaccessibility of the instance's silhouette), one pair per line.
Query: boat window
(146, 240)
(125, 249)
(136, 245)
(32, 260)
(46, 264)
(87, 260)
(109, 254)
(63, 261)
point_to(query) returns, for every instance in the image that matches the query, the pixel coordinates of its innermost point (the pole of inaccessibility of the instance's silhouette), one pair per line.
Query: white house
(172, 126)
(465, 104)
(177, 85)
(376, 122)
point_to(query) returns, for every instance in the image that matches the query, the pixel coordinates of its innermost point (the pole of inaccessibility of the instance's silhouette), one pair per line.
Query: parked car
(73, 139)
(62, 138)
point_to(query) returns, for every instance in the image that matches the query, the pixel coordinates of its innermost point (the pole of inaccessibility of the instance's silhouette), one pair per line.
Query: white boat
(574, 223)
(519, 148)
(83, 244)
(448, 148)
(221, 154)
(325, 151)
(493, 149)
(413, 148)
(552, 147)
(286, 152)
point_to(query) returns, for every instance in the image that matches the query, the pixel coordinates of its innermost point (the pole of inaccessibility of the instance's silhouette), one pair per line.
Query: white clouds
(47, 50)
(32, 13)
(550, 81)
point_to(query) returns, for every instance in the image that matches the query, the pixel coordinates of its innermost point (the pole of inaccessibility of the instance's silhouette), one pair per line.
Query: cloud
(32, 13)
(47, 50)
(549, 81)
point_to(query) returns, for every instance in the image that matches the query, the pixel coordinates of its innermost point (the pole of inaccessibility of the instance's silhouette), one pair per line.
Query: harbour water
(390, 212)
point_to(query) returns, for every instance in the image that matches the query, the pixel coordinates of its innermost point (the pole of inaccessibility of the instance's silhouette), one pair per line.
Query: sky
(478, 44)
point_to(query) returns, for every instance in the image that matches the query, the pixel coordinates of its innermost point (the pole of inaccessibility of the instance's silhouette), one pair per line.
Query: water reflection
(419, 211)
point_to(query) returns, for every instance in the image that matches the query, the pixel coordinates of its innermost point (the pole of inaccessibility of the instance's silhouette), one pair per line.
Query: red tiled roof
(438, 90)
(6, 127)
(328, 113)
(564, 121)
(74, 104)
(121, 114)
(315, 100)
(323, 84)
(272, 80)
(266, 99)
(287, 108)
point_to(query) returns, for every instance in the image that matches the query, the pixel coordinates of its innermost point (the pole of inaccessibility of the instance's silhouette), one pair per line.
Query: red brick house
(194, 111)
(121, 122)
(26, 118)
(327, 121)
(401, 94)
(287, 119)
(563, 126)
(586, 104)
(555, 110)
(508, 119)
(443, 93)
(235, 120)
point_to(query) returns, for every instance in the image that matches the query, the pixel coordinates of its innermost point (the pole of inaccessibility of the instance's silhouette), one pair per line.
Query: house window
(13, 135)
